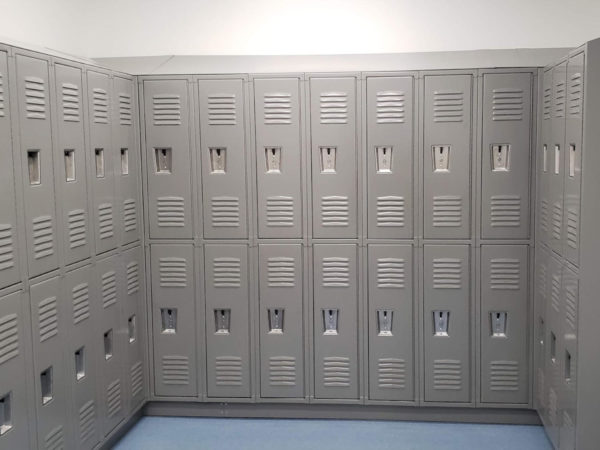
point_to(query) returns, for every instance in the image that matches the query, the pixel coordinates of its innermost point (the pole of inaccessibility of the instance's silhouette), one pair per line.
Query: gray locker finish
(540, 342)
(447, 156)
(333, 128)
(391, 318)
(279, 158)
(390, 151)
(227, 320)
(335, 321)
(545, 161)
(281, 320)
(223, 156)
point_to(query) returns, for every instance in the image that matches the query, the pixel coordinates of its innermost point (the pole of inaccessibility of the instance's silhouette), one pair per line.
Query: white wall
(101, 28)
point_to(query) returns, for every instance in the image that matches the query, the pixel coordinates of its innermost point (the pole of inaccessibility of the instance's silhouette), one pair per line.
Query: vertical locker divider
(557, 158)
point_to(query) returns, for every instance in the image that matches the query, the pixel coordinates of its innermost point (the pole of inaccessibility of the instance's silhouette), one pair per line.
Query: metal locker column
(37, 166)
(278, 157)
(334, 150)
(72, 175)
(174, 320)
(168, 166)
(223, 156)
(540, 324)
(227, 321)
(102, 156)
(447, 156)
(281, 321)
(447, 325)
(390, 157)
(335, 321)
(545, 162)
(391, 332)
(504, 320)
(506, 158)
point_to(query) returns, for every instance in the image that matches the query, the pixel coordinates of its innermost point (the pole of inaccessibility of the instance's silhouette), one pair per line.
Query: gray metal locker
(80, 350)
(102, 155)
(279, 159)
(447, 156)
(447, 324)
(50, 378)
(227, 320)
(9, 264)
(168, 158)
(504, 324)
(390, 151)
(545, 162)
(506, 155)
(333, 116)
(37, 164)
(540, 299)
(223, 156)
(126, 159)
(15, 429)
(335, 321)
(70, 153)
(391, 318)
(281, 321)
(174, 320)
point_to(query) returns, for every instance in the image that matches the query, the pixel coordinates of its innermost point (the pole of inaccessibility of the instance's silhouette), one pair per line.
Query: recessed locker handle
(80, 364)
(441, 158)
(384, 322)
(33, 165)
(169, 320)
(384, 159)
(500, 157)
(572, 159)
(498, 323)
(275, 320)
(273, 159)
(69, 165)
(163, 160)
(218, 159)
(46, 385)
(556, 159)
(330, 322)
(222, 321)
(440, 323)
(328, 159)
(5, 414)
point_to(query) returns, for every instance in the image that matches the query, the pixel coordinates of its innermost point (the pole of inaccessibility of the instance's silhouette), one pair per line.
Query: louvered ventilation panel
(55, 440)
(172, 272)
(505, 211)
(166, 109)
(336, 272)
(504, 376)
(2, 113)
(100, 105)
(278, 108)
(175, 370)
(547, 103)
(447, 375)
(575, 95)
(336, 371)
(81, 303)
(557, 218)
(559, 99)
(7, 256)
(390, 273)
(333, 108)
(571, 307)
(448, 106)
(105, 219)
(573, 228)
(71, 102)
(222, 109)
(280, 211)
(35, 98)
(225, 212)
(170, 211)
(9, 337)
(87, 421)
(137, 379)
(43, 237)
(555, 292)
(48, 318)
(125, 116)
(542, 280)
(281, 272)
(391, 373)
(390, 211)
(447, 273)
(130, 214)
(77, 228)
(335, 211)
(109, 289)
(390, 107)
(282, 371)
(133, 278)
(228, 371)
(447, 211)
(113, 398)
(505, 273)
(227, 272)
(507, 104)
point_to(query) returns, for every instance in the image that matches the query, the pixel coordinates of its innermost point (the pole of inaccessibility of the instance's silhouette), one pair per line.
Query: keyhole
(385, 314)
(164, 152)
(328, 151)
(218, 152)
(169, 312)
(273, 152)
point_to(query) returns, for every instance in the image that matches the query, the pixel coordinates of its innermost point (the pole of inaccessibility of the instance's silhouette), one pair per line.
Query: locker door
(50, 377)
(447, 325)
(334, 167)
(80, 356)
(281, 321)
(505, 162)
(174, 320)
(9, 265)
(14, 400)
(227, 321)
(223, 155)
(545, 161)
(390, 157)
(278, 157)
(36, 162)
(541, 300)
(168, 167)
(447, 156)
(70, 152)
(391, 354)
(102, 156)
(504, 323)
(335, 321)
(127, 159)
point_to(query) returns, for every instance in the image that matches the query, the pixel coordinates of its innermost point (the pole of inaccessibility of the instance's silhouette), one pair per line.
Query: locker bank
(370, 237)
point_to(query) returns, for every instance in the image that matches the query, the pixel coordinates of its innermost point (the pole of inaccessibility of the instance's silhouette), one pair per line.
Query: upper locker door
(447, 156)
(544, 161)
(102, 155)
(9, 265)
(36, 162)
(223, 150)
(506, 158)
(390, 157)
(278, 157)
(70, 152)
(334, 165)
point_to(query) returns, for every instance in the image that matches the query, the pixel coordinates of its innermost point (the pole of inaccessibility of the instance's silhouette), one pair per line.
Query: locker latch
(131, 329)
(441, 158)
(328, 159)
(276, 321)
(556, 159)
(384, 159)
(99, 153)
(33, 164)
(273, 159)
(440, 323)
(79, 364)
(108, 344)
(46, 385)
(330, 321)
(217, 159)
(124, 161)
(222, 321)
(169, 320)
(69, 165)
(498, 323)
(163, 160)
(500, 157)
(5, 414)
(545, 158)
(384, 322)
(572, 158)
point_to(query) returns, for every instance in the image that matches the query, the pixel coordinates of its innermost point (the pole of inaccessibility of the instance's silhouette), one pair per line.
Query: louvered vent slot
(113, 398)
(507, 104)
(43, 237)
(227, 272)
(336, 272)
(278, 108)
(282, 371)
(390, 273)
(336, 371)
(281, 272)
(334, 108)
(166, 109)
(137, 379)
(130, 215)
(448, 106)
(125, 109)
(547, 103)
(35, 98)
(447, 375)
(222, 109)
(572, 228)
(544, 216)
(9, 337)
(81, 303)
(447, 211)
(571, 307)
(391, 373)
(172, 272)
(225, 212)
(559, 99)
(175, 370)
(506, 211)
(390, 211)
(100, 105)
(557, 218)
(280, 211)
(109, 289)
(55, 440)
(390, 107)
(71, 102)
(504, 376)
(87, 421)
(228, 370)
(575, 95)
(447, 273)
(505, 273)
(77, 228)
(170, 211)
(555, 292)
(335, 211)
(47, 318)
(7, 256)
(543, 280)
(2, 113)
(105, 219)
(133, 278)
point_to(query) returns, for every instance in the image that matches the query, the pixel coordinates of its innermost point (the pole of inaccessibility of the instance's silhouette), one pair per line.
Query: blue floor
(282, 434)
